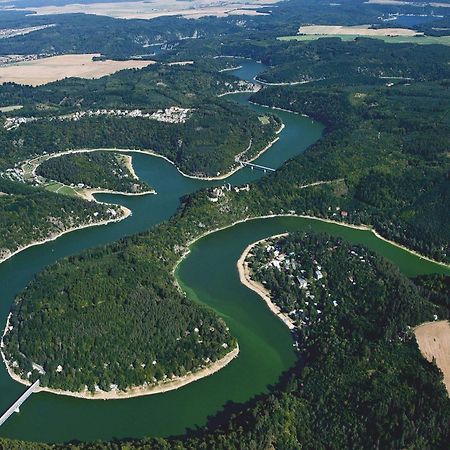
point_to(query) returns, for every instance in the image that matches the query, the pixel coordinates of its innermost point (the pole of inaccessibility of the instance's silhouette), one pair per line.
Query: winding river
(208, 275)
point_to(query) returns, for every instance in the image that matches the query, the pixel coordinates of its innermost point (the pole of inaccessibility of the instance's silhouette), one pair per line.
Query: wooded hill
(360, 381)
(105, 170)
(204, 145)
(30, 214)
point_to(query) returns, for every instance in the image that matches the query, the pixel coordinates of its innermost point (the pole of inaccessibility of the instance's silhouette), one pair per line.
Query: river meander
(208, 275)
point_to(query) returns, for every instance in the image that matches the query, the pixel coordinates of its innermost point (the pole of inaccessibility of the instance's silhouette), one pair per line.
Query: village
(174, 114)
(297, 281)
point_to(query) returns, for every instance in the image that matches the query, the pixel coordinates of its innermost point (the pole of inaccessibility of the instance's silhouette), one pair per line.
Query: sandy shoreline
(151, 153)
(87, 194)
(302, 216)
(129, 166)
(246, 280)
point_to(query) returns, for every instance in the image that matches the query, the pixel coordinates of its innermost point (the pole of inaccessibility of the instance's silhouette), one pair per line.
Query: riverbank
(219, 177)
(125, 213)
(88, 194)
(246, 280)
(129, 165)
(303, 216)
(150, 153)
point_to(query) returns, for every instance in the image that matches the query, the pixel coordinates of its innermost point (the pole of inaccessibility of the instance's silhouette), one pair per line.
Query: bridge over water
(257, 166)
(18, 403)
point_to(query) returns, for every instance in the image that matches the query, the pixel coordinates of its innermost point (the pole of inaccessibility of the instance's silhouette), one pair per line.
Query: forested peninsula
(109, 171)
(327, 286)
(171, 110)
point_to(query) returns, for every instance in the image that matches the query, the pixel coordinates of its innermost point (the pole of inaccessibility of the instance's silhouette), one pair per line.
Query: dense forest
(205, 144)
(29, 214)
(153, 87)
(122, 311)
(105, 170)
(360, 381)
(394, 139)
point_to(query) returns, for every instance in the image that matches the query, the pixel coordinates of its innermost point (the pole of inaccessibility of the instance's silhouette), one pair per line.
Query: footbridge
(257, 166)
(18, 403)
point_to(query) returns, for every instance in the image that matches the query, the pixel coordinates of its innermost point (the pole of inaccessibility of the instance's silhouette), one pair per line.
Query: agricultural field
(45, 70)
(151, 10)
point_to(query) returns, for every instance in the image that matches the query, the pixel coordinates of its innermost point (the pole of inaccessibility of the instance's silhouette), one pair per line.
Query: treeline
(342, 62)
(205, 144)
(106, 170)
(153, 87)
(121, 39)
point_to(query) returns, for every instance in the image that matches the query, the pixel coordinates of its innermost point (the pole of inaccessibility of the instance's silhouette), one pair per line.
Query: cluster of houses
(242, 86)
(219, 192)
(288, 263)
(15, 174)
(12, 123)
(174, 114)
(6, 33)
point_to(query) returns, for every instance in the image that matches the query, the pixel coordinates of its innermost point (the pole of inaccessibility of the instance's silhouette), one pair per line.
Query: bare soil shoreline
(224, 361)
(54, 236)
(246, 280)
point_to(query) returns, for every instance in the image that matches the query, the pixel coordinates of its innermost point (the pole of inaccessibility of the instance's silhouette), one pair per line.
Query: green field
(422, 40)
(61, 189)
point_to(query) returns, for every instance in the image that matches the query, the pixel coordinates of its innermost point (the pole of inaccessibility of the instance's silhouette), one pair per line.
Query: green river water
(208, 275)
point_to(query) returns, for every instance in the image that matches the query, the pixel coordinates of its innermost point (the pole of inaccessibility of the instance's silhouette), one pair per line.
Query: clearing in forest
(434, 342)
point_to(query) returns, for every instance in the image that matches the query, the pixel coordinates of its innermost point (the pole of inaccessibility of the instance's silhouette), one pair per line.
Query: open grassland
(46, 70)
(434, 343)
(150, 10)
(61, 188)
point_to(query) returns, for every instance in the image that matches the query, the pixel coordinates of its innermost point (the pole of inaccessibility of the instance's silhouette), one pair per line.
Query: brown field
(434, 342)
(362, 30)
(149, 10)
(45, 70)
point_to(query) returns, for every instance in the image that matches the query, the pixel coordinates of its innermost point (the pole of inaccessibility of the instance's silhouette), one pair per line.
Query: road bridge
(18, 403)
(257, 166)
